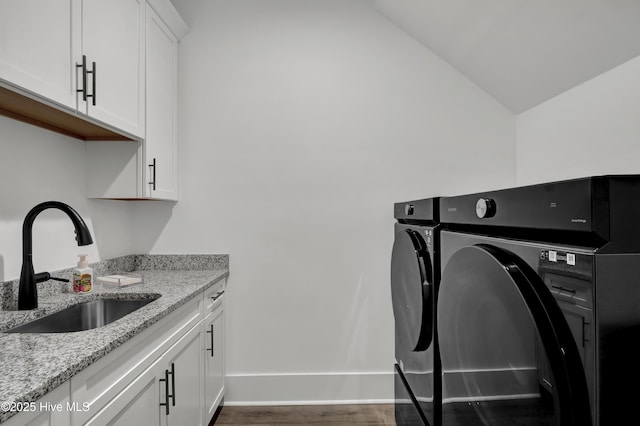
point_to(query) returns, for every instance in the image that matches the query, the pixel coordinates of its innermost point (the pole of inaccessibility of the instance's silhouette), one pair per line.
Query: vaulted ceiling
(523, 52)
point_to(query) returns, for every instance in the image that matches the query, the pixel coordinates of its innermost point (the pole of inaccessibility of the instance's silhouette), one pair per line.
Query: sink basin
(83, 316)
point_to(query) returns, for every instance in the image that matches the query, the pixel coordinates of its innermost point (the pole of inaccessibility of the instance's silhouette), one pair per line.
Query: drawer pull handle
(217, 296)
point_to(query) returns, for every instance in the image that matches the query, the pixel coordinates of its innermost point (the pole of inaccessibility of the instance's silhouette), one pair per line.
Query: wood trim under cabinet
(29, 110)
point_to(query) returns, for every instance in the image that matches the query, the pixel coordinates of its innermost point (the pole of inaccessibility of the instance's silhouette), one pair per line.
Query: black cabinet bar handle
(93, 83)
(217, 296)
(83, 65)
(211, 334)
(153, 174)
(173, 385)
(166, 392)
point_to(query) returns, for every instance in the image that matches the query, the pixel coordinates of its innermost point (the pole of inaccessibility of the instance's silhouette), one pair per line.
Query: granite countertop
(34, 364)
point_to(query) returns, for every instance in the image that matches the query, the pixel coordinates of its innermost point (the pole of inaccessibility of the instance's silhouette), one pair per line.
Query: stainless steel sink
(83, 316)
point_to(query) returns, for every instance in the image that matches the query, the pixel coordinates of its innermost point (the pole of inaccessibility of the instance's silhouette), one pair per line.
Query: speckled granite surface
(9, 289)
(181, 261)
(34, 364)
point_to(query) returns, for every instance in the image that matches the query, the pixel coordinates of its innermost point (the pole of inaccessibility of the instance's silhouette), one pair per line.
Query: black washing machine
(538, 312)
(414, 283)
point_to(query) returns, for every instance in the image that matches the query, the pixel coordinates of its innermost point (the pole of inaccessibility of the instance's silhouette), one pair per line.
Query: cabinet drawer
(103, 380)
(213, 296)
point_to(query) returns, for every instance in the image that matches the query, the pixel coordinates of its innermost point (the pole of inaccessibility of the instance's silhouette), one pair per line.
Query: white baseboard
(309, 389)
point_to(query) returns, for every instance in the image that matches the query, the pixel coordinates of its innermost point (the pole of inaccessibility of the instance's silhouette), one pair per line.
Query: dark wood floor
(299, 415)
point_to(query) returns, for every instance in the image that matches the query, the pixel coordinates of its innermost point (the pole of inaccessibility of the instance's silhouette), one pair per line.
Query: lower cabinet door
(182, 367)
(136, 405)
(213, 361)
(168, 392)
(51, 410)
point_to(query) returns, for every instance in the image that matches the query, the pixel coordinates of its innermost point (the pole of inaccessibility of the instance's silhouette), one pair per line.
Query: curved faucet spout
(27, 292)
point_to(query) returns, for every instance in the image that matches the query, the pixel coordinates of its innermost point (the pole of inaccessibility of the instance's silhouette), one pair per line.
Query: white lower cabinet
(172, 373)
(182, 378)
(166, 393)
(135, 405)
(50, 410)
(214, 361)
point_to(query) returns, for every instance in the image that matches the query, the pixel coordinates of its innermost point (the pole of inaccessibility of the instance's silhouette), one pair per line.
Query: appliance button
(485, 208)
(408, 209)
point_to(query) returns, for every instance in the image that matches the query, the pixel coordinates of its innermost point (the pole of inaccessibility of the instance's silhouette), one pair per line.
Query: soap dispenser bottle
(82, 276)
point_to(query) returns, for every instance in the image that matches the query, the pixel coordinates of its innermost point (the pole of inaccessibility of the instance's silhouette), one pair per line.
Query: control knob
(485, 208)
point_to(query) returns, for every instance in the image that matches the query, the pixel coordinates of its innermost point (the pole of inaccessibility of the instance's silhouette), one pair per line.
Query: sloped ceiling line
(523, 52)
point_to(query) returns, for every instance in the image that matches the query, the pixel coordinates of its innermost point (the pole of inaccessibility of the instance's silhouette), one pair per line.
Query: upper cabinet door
(161, 142)
(113, 45)
(37, 50)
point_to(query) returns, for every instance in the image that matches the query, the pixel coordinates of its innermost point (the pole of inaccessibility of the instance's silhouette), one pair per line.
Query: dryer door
(411, 290)
(498, 324)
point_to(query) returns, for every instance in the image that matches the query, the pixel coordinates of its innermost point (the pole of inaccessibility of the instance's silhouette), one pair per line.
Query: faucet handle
(45, 276)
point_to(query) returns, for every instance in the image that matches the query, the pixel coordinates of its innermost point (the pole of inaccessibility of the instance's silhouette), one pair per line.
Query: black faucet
(27, 292)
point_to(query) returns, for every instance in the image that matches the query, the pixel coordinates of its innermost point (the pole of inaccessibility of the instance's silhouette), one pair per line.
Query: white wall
(593, 129)
(37, 165)
(301, 122)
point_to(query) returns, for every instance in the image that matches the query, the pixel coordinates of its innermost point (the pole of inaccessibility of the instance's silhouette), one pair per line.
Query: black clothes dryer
(414, 283)
(538, 312)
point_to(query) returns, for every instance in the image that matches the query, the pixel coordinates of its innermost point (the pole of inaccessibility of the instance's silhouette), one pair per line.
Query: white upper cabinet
(148, 170)
(112, 77)
(101, 71)
(37, 50)
(161, 143)
(82, 57)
